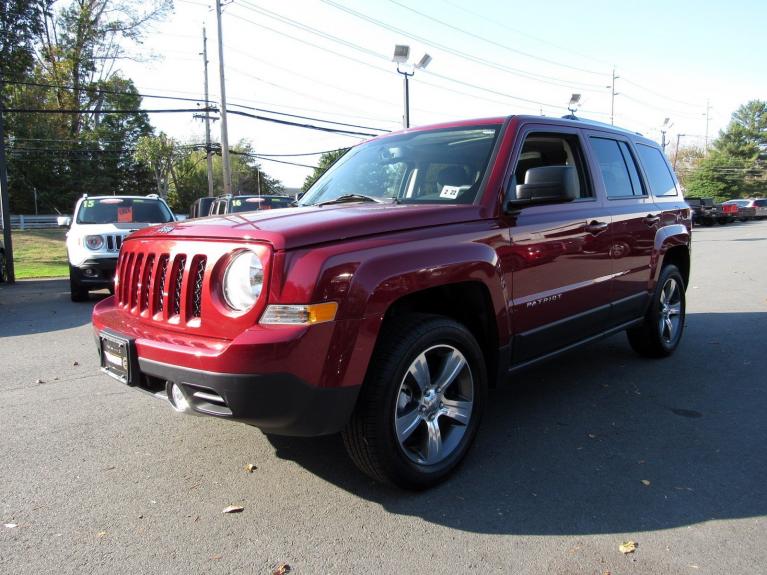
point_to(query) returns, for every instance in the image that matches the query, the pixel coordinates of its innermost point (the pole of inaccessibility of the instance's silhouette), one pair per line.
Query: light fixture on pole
(575, 102)
(663, 129)
(401, 57)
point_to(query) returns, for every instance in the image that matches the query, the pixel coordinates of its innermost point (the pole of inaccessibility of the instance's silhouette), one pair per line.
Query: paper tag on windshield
(450, 192)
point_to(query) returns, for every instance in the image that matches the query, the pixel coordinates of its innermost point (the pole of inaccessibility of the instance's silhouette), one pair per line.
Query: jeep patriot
(422, 268)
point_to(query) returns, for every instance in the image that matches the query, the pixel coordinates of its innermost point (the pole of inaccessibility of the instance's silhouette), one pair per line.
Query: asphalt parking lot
(598, 448)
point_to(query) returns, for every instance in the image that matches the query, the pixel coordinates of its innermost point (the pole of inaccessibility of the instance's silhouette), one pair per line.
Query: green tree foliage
(90, 150)
(326, 160)
(181, 171)
(20, 23)
(736, 167)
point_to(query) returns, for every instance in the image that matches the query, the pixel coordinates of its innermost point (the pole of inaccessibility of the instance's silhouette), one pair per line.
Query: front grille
(176, 282)
(198, 274)
(161, 286)
(114, 242)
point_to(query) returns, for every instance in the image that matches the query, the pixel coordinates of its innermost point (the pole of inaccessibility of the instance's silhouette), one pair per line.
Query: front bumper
(95, 273)
(277, 403)
(286, 381)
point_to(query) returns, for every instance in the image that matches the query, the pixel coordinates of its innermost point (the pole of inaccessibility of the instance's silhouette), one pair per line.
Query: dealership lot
(597, 448)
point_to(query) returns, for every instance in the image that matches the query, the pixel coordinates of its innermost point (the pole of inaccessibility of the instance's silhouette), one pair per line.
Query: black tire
(77, 292)
(656, 339)
(371, 436)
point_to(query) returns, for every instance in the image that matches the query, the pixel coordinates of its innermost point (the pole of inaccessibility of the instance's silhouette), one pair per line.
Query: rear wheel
(77, 292)
(421, 403)
(661, 331)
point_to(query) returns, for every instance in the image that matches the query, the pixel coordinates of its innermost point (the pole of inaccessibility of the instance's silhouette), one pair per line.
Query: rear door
(634, 222)
(558, 261)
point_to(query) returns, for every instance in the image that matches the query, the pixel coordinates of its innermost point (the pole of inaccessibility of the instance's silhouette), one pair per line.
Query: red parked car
(424, 267)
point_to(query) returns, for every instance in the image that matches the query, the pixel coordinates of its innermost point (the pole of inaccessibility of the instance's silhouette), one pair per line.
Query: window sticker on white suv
(450, 192)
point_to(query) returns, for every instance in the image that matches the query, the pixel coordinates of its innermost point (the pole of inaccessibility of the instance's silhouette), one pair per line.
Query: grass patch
(40, 254)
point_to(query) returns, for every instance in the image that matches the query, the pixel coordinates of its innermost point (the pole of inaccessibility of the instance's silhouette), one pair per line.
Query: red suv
(424, 267)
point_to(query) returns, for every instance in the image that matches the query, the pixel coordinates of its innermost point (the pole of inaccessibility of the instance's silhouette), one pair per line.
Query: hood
(304, 226)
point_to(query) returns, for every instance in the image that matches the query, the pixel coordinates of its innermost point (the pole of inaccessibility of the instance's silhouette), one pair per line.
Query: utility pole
(708, 110)
(208, 151)
(613, 93)
(224, 131)
(5, 208)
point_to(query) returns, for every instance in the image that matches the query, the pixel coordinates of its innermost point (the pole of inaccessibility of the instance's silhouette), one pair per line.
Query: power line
(297, 125)
(304, 154)
(310, 118)
(494, 43)
(99, 90)
(107, 111)
(381, 56)
(476, 59)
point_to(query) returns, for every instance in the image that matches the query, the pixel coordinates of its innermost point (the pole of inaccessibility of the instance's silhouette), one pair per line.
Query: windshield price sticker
(450, 192)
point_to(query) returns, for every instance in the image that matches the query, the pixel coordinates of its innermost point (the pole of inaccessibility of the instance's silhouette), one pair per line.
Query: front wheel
(77, 292)
(661, 331)
(421, 403)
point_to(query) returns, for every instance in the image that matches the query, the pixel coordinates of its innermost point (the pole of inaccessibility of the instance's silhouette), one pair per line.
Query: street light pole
(406, 115)
(208, 152)
(224, 129)
(401, 55)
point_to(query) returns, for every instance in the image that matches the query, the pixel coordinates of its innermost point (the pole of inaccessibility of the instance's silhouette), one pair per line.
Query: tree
(158, 154)
(20, 22)
(326, 160)
(736, 167)
(79, 46)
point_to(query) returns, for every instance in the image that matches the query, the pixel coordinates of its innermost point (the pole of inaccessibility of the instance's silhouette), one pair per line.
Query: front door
(558, 261)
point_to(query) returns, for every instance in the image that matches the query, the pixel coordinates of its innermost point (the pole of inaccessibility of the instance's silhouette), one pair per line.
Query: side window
(614, 168)
(544, 149)
(658, 173)
(636, 181)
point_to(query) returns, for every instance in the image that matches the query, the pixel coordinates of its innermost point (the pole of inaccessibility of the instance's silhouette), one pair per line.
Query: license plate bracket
(118, 357)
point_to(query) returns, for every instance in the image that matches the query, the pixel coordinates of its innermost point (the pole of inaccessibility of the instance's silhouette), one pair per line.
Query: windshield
(251, 203)
(123, 210)
(442, 166)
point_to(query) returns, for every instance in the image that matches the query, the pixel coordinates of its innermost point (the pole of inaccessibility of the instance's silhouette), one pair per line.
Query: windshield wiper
(349, 198)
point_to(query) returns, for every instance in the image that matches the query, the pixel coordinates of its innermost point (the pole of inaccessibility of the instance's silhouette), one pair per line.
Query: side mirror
(64, 221)
(547, 184)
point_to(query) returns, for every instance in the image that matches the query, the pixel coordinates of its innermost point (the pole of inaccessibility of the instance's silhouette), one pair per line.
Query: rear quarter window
(658, 173)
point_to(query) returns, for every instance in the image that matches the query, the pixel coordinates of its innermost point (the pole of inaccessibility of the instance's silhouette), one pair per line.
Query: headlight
(243, 280)
(94, 242)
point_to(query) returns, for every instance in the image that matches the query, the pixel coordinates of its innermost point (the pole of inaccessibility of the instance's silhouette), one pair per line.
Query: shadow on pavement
(567, 450)
(40, 306)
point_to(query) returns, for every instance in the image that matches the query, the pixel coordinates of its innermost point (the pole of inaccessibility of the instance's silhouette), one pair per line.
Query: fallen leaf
(76, 363)
(10, 525)
(233, 509)
(250, 468)
(646, 482)
(101, 533)
(282, 569)
(628, 547)
(216, 557)
(39, 381)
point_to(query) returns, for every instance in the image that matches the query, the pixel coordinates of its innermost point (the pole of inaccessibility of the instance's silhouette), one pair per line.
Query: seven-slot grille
(154, 285)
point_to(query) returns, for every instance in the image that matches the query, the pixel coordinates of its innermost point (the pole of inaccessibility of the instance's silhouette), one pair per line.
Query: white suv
(99, 227)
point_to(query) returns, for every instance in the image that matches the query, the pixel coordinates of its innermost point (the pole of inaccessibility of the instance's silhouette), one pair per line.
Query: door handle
(651, 220)
(596, 227)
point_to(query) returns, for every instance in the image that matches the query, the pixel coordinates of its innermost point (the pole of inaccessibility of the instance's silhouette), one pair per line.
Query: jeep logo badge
(165, 230)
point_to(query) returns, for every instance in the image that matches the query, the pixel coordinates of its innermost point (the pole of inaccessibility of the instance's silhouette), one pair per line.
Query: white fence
(23, 222)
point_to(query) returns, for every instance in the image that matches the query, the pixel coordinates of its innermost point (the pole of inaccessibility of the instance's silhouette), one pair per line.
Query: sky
(331, 60)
